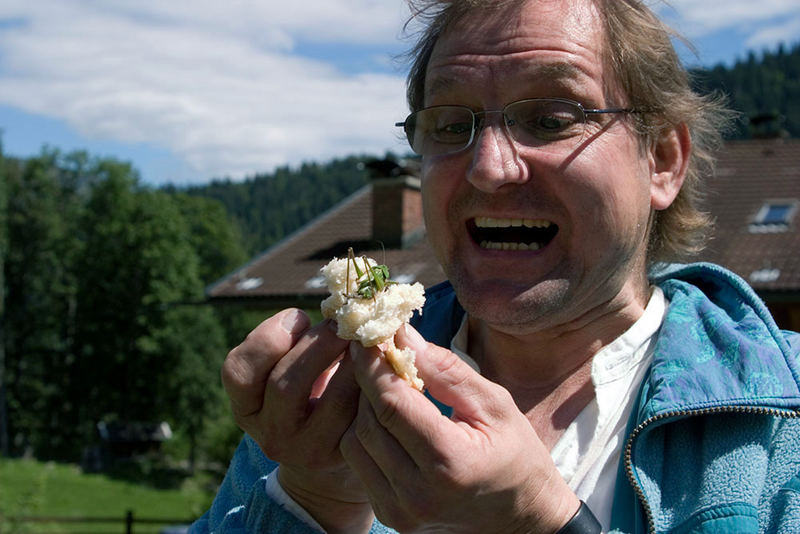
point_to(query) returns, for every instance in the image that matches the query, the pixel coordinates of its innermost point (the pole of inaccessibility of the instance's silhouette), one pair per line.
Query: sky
(194, 90)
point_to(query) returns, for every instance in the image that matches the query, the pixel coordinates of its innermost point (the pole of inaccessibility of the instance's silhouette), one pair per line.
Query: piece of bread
(370, 310)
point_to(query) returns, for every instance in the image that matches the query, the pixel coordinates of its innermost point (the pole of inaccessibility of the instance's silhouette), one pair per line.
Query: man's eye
(549, 126)
(455, 128)
(452, 132)
(551, 123)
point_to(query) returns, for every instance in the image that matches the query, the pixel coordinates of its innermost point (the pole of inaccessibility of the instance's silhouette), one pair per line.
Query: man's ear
(669, 159)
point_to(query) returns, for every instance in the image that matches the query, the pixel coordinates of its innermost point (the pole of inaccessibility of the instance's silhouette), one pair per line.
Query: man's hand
(291, 391)
(483, 470)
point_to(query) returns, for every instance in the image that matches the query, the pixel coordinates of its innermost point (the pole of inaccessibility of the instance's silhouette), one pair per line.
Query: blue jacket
(714, 443)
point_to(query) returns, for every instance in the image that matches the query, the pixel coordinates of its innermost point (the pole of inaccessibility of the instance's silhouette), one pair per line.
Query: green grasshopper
(377, 276)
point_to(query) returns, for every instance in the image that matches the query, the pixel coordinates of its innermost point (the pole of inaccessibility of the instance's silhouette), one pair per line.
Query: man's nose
(496, 160)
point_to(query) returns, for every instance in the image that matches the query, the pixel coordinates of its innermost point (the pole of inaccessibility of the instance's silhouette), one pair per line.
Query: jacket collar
(718, 346)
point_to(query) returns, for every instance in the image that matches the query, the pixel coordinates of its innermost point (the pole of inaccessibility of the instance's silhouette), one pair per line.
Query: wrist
(326, 496)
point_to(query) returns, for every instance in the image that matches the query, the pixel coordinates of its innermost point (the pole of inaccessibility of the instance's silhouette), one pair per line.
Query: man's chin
(511, 304)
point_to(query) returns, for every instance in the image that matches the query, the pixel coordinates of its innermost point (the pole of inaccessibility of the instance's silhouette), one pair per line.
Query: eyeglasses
(552, 124)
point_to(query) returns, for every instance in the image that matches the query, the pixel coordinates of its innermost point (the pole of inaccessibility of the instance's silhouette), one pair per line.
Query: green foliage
(765, 91)
(104, 297)
(213, 234)
(40, 297)
(267, 207)
(105, 318)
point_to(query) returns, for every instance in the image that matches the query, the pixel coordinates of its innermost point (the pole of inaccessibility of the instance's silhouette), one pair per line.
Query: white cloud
(216, 83)
(785, 31)
(698, 18)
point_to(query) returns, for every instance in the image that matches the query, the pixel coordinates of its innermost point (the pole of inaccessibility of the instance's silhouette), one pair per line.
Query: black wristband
(583, 522)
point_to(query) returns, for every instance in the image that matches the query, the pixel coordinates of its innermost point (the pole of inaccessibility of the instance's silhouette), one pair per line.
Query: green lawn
(30, 488)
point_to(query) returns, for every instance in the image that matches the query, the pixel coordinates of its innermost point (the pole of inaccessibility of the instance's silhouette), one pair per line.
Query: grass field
(30, 488)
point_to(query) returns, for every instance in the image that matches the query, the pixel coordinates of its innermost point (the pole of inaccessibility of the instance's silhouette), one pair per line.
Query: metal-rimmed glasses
(553, 124)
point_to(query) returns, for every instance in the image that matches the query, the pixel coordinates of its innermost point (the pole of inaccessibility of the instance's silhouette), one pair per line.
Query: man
(558, 167)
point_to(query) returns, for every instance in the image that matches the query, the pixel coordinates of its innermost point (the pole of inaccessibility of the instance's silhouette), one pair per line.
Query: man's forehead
(439, 81)
(514, 34)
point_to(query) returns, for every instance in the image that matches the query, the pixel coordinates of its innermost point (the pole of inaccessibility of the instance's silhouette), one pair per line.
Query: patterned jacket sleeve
(243, 504)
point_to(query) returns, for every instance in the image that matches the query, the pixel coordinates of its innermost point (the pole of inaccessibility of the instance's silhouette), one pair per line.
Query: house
(119, 442)
(754, 197)
(287, 274)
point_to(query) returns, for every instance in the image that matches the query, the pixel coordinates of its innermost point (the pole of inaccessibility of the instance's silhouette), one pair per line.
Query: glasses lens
(440, 130)
(545, 123)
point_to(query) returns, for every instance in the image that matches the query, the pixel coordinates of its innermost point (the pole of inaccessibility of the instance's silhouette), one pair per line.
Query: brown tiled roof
(287, 273)
(749, 175)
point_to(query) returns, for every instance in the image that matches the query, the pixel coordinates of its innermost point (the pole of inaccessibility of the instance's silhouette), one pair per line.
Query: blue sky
(191, 91)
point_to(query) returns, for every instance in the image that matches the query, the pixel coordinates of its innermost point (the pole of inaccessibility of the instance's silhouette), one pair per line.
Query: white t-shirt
(588, 453)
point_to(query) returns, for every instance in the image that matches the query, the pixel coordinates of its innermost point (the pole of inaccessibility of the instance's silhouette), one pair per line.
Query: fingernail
(293, 321)
(356, 350)
(412, 336)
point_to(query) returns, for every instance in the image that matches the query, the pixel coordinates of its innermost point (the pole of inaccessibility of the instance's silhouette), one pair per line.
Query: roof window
(249, 283)
(774, 216)
(765, 275)
(316, 282)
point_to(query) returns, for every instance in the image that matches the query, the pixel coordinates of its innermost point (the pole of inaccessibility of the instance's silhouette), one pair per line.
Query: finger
(246, 368)
(406, 414)
(395, 484)
(451, 380)
(355, 451)
(292, 380)
(338, 404)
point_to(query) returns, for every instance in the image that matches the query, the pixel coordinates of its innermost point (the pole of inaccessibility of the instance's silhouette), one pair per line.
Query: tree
(4, 448)
(213, 234)
(104, 312)
(40, 302)
(765, 91)
(146, 350)
(267, 207)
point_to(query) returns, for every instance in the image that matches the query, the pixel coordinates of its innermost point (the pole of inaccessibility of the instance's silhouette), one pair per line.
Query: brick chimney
(396, 204)
(767, 126)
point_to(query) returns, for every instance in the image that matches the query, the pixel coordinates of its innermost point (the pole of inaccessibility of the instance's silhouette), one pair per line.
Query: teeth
(491, 222)
(494, 245)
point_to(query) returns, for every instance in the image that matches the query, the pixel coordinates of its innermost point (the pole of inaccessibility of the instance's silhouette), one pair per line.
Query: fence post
(129, 522)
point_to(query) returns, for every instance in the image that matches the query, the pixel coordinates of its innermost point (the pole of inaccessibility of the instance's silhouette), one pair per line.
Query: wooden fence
(127, 522)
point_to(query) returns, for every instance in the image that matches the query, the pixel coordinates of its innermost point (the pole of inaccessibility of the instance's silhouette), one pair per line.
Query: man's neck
(548, 372)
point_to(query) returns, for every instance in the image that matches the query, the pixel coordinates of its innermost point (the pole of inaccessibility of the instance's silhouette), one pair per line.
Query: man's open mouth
(511, 234)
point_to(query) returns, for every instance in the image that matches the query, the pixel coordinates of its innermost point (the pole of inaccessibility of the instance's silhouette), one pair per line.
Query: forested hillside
(764, 89)
(269, 206)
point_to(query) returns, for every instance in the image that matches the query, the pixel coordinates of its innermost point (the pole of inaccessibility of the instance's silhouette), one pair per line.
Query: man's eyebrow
(546, 71)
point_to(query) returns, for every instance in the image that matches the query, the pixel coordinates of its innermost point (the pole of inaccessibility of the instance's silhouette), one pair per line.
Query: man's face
(594, 200)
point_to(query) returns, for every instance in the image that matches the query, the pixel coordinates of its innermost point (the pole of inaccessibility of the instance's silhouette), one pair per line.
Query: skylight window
(777, 214)
(316, 282)
(249, 283)
(774, 216)
(765, 275)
